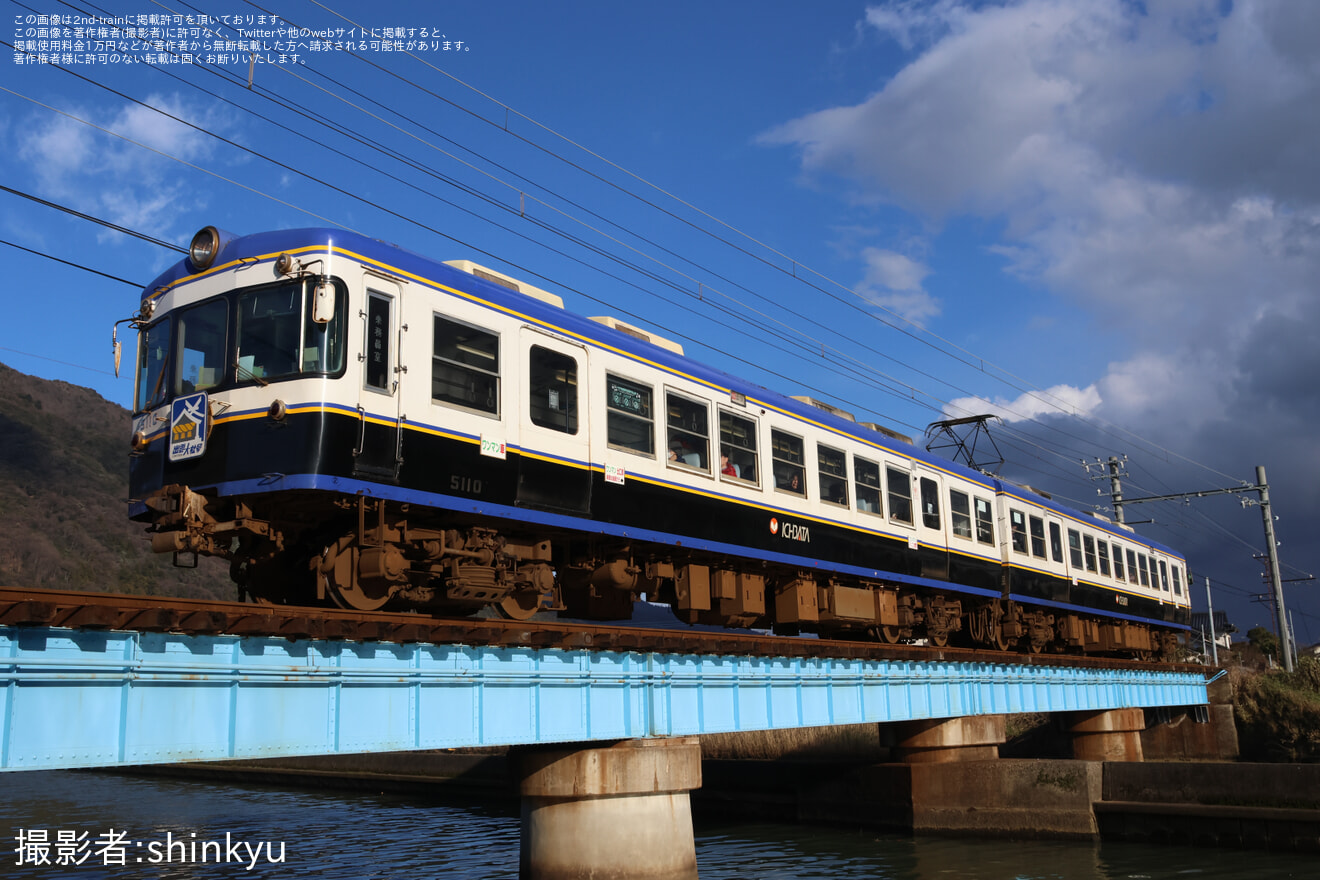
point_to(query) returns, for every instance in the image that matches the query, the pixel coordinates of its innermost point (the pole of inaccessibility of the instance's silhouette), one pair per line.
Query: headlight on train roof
(204, 248)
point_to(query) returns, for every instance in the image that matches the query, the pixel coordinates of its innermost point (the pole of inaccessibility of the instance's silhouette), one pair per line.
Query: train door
(931, 522)
(554, 467)
(378, 452)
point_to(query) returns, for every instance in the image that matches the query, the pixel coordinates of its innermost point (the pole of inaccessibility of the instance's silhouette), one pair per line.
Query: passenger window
(465, 366)
(1089, 543)
(1141, 565)
(553, 389)
(1118, 562)
(960, 514)
(900, 495)
(866, 477)
(202, 353)
(1132, 566)
(786, 450)
(737, 447)
(689, 432)
(1164, 574)
(1104, 558)
(629, 422)
(1018, 523)
(1075, 548)
(1037, 536)
(833, 472)
(1056, 542)
(154, 347)
(1177, 581)
(930, 503)
(985, 522)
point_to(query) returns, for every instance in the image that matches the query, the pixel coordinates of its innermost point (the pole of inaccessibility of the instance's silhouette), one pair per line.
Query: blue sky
(1096, 219)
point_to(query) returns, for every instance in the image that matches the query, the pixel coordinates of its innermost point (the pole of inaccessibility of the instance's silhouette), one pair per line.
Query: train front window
(201, 342)
(277, 338)
(154, 349)
(465, 366)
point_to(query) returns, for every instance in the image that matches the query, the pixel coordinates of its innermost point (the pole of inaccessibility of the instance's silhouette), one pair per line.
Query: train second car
(351, 424)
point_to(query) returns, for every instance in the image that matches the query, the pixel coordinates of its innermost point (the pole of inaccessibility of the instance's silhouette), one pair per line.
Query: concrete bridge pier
(608, 811)
(948, 740)
(1113, 735)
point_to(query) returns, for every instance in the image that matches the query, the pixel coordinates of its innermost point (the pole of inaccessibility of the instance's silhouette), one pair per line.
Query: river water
(108, 827)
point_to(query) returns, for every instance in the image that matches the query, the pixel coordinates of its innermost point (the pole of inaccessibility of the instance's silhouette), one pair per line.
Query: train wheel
(890, 635)
(520, 605)
(338, 571)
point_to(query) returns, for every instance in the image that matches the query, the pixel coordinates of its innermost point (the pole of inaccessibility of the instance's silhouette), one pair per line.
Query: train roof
(541, 309)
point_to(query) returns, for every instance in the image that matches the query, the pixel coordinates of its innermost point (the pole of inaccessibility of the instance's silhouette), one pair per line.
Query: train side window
(1132, 566)
(985, 522)
(786, 450)
(154, 349)
(1118, 562)
(1017, 522)
(960, 514)
(900, 495)
(866, 482)
(689, 432)
(832, 465)
(629, 420)
(930, 503)
(1089, 543)
(1104, 558)
(1075, 548)
(1141, 565)
(200, 336)
(1177, 580)
(552, 389)
(1164, 574)
(737, 447)
(1037, 536)
(465, 366)
(1056, 542)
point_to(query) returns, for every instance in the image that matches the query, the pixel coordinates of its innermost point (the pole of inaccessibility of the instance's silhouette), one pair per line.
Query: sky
(1098, 220)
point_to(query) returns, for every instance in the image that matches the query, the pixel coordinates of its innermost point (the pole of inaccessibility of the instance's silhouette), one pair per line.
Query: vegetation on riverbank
(1278, 713)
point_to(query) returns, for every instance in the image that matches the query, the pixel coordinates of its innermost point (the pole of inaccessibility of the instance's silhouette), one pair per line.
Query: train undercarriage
(369, 554)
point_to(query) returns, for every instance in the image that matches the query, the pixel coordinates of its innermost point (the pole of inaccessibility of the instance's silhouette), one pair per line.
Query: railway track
(107, 611)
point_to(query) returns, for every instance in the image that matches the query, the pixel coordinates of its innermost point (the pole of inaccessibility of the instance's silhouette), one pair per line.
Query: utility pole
(1115, 488)
(1272, 548)
(1210, 609)
(1262, 488)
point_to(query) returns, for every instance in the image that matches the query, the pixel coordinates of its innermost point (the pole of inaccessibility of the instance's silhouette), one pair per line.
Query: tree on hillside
(1264, 641)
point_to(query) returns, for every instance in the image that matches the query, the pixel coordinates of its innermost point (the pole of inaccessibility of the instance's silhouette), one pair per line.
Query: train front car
(268, 430)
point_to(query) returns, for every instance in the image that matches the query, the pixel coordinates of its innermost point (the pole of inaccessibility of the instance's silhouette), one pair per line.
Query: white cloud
(1030, 405)
(893, 281)
(111, 177)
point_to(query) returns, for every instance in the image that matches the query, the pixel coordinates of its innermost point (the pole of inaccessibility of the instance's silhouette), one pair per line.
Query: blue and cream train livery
(353, 424)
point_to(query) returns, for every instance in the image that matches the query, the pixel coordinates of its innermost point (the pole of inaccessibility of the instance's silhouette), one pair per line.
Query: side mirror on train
(323, 302)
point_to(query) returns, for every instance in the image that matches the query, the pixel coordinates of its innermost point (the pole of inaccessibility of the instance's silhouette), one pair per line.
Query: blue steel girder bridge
(87, 686)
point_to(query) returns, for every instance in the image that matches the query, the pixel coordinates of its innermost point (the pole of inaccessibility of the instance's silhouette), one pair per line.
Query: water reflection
(338, 836)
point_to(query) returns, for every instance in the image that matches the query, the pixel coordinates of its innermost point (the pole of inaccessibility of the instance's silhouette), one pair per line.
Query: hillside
(63, 491)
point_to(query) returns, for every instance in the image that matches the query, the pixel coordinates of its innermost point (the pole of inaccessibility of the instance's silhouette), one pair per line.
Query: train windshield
(277, 338)
(153, 365)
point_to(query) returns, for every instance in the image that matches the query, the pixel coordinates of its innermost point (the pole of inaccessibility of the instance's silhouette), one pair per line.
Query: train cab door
(378, 452)
(554, 471)
(931, 522)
